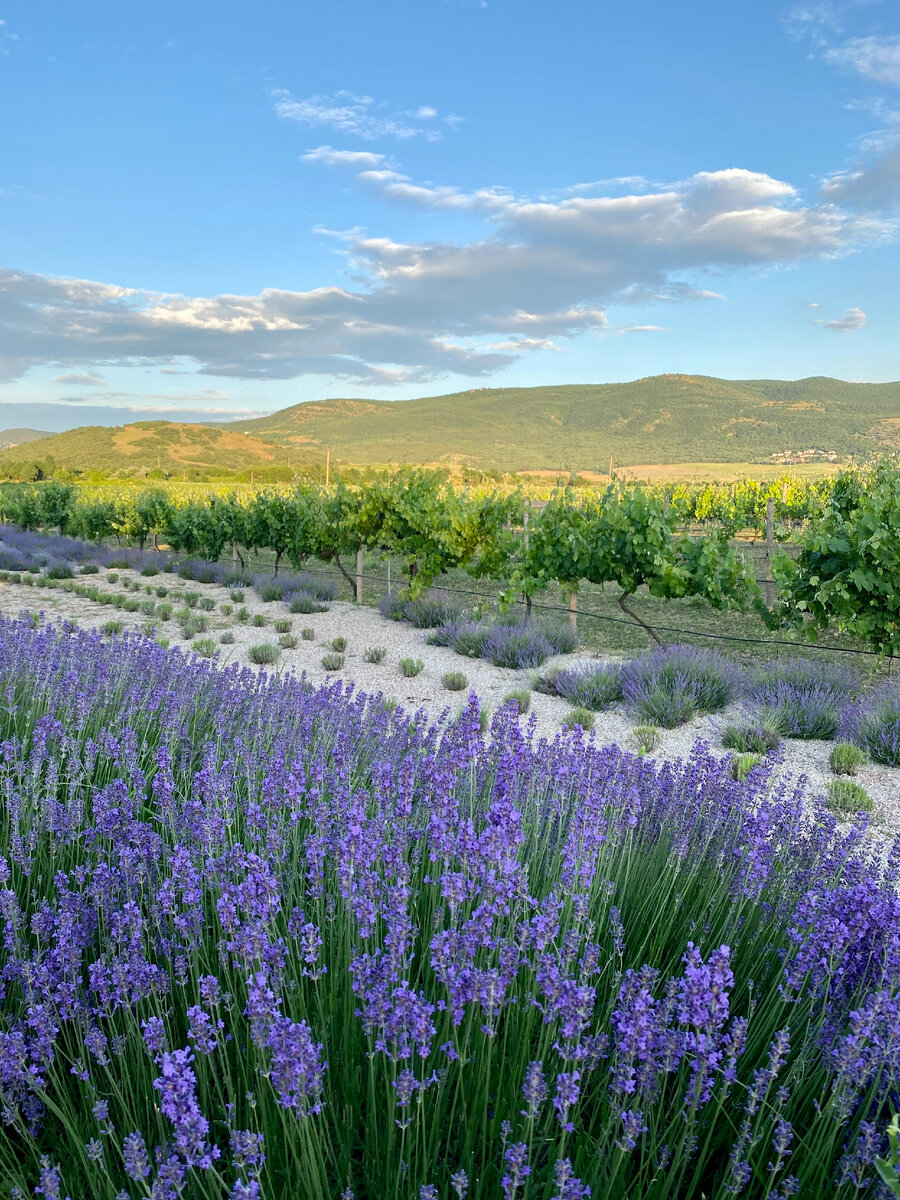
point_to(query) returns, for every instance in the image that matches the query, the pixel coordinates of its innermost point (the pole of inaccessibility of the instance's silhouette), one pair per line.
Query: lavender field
(266, 941)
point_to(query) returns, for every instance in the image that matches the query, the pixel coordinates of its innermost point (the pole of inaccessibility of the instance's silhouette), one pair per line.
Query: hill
(662, 419)
(145, 446)
(665, 418)
(17, 437)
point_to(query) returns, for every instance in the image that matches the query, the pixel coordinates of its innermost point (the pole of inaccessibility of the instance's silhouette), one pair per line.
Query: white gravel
(365, 627)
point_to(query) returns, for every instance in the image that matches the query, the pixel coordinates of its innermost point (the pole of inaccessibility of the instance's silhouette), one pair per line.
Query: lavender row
(261, 940)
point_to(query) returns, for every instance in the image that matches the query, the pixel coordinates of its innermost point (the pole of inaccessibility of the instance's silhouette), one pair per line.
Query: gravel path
(365, 627)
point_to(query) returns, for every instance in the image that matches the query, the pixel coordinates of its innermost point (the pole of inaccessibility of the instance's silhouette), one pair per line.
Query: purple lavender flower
(515, 1156)
(568, 1187)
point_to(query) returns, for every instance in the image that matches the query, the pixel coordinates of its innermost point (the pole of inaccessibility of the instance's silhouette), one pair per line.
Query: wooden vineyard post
(573, 611)
(359, 575)
(770, 550)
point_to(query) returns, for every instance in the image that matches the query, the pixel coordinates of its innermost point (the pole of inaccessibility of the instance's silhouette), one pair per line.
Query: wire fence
(543, 606)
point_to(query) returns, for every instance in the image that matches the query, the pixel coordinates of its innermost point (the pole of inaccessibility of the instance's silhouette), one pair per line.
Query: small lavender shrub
(339, 644)
(582, 717)
(288, 641)
(301, 600)
(430, 611)
(750, 739)
(307, 633)
(410, 667)
(562, 638)
(802, 697)
(258, 620)
(332, 661)
(516, 646)
(466, 638)
(375, 654)
(874, 724)
(205, 647)
(845, 796)
(392, 605)
(521, 698)
(846, 758)
(646, 738)
(592, 686)
(89, 569)
(282, 625)
(454, 681)
(226, 638)
(264, 653)
(674, 684)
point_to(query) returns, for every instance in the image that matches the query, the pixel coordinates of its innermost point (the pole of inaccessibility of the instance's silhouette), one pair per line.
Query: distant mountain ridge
(659, 419)
(662, 418)
(18, 437)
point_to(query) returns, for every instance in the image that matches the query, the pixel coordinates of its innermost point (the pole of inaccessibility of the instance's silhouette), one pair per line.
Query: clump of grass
(332, 661)
(148, 607)
(236, 596)
(339, 644)
(163, 611)
(110, 628)
(454, 681)
(579, 716)
(112, 576)
(375, 654)
(751, 739)
(162, 592)
(242, 615)
(282, 625)
(591, 686)
(205, 647)
(674, 684)
(846, 758)
(307, 633)
(264, 653)
(288, 641)
(847, 796)
(192, 599)
(164, 642)
(131, 605)
(226, 609)
(743, 764)
(206, 603)
(226, 638)
(646, 738)
(521, 697)
(411, 667)
(258, 620)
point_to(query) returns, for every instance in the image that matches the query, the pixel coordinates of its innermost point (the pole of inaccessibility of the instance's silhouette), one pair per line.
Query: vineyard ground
(605, 629)
(364, 627)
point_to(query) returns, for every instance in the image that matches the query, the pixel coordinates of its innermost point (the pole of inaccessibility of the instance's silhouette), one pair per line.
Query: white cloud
(88, 379)
(874, 184)
(852, 318)
(7, 40)
(874, 58)
(358, 116)
(538, 271)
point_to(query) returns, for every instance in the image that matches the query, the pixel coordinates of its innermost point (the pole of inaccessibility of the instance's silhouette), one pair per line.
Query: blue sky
(218, 209)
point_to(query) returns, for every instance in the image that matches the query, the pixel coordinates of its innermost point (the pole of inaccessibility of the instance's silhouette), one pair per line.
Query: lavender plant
(516, 646)
(265, 941)
(677, 683)
(802, 697)
(874, 724)
(594, 685)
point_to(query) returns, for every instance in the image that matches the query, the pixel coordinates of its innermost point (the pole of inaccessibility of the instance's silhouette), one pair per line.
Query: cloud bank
(542, 269)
